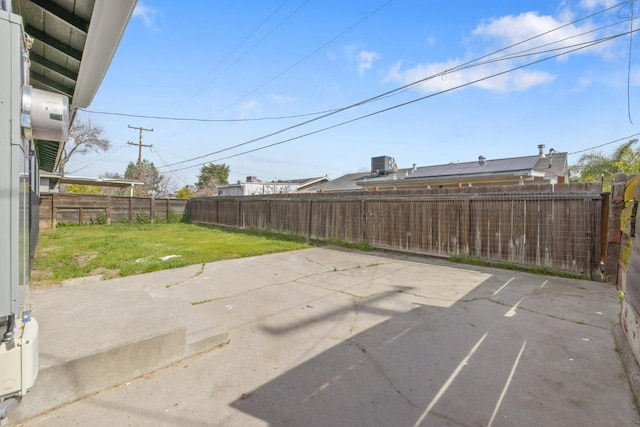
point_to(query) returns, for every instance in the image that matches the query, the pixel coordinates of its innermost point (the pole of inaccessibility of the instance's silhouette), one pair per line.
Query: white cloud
(531, 33)
(146, 14)
(365, 60)
(246, 109)
(281, 99)
(511, 29)
(583, 83)
(515, 81)
(597, 4)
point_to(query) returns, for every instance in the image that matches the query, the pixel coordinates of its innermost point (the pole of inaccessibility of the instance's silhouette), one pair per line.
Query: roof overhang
(74, 43)
(55, 179)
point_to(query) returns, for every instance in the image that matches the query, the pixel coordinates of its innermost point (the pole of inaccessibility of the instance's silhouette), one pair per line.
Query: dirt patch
(84, 259)
(42, 280)
(105, 273)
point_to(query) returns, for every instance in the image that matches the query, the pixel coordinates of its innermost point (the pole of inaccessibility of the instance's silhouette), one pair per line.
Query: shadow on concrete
(486, 360)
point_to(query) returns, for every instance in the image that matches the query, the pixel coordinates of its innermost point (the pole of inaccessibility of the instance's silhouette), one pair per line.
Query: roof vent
(541, 151)
(482, 160)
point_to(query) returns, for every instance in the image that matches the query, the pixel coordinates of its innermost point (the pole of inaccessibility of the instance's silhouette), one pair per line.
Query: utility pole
(140, 145)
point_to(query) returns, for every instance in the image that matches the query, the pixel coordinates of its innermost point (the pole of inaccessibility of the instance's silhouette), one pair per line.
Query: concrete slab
(97, 334)
(332, 337)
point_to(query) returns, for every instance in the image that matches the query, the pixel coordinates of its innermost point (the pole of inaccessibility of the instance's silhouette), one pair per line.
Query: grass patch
(510, 266)
(126, 249)
(360, 246)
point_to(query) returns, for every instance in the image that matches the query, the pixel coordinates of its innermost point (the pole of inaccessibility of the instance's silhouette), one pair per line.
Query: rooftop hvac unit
(383, 164)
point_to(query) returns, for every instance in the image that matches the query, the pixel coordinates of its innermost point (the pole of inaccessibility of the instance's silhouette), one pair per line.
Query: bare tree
(84, 137)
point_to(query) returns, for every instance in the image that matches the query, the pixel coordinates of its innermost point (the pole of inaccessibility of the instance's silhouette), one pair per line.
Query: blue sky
(252, 66)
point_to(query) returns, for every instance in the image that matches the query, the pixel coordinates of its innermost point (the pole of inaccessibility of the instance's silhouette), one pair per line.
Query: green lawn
(123, 250)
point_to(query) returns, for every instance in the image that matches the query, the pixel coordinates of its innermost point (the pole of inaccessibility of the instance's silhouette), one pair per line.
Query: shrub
(143, 218)
(175, 217)
(101, 218)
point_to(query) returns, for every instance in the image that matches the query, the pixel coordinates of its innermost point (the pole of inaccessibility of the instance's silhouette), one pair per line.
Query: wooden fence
(558, 227)
(86, 208)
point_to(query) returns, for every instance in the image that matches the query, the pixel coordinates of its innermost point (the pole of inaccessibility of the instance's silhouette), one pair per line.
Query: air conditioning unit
(383, 165)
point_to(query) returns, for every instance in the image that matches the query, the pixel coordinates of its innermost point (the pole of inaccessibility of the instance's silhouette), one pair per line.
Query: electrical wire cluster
(535, 54)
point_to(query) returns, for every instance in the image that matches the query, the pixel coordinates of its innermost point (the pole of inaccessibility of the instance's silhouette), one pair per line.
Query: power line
(304, 58)
(392, 107)
(606, 143)
(177, 175)
(191, 119)
(100, 159)
(466, 65)
(233, 51)
(567, 49)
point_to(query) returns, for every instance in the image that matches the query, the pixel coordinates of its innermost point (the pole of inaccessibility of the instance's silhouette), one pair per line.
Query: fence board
(84, 208)
(530, 226)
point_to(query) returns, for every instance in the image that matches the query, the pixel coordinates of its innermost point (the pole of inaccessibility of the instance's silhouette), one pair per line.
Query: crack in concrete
(198, 273)
(296, 280)
(354, 301)
(529, 310)
(382, 372)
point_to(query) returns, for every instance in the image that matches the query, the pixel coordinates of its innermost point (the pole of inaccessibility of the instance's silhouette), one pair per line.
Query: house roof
(550, 166)
(305, 184)
(347, 182)
(476, 168)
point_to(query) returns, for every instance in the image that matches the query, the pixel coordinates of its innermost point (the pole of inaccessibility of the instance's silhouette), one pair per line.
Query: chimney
(482, 160)
(541, 151)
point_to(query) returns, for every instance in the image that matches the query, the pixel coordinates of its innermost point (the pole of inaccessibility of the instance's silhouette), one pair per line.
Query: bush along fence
(551, 228)
(70, 208)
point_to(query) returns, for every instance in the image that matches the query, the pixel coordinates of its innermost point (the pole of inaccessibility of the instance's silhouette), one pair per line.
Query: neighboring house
(347, 182)
(255, 187)
(306, 185)
(550, 168)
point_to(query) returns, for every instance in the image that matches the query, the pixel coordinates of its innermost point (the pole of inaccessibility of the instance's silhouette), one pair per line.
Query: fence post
(363, 221)
(152, 209)
(614, 232)
(130, 210)
(309, 221)
(53, 211)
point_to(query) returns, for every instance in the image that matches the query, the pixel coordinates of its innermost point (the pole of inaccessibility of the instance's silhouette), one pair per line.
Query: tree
(184, 193)
(597, 166)
(211, 175)
(153, 181)
(82, 189)
(84, 137)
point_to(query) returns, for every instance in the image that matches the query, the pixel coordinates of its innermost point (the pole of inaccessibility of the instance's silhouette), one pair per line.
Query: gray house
(542, 168)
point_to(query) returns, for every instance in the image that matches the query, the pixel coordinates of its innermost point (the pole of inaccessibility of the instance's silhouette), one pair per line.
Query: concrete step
(99, 334)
